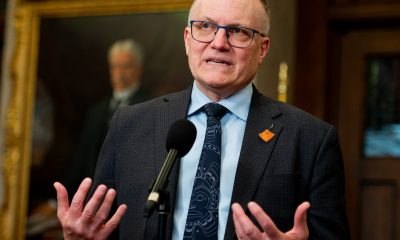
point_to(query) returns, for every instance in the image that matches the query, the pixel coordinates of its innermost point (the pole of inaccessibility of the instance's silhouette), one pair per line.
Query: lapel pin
(267, 135)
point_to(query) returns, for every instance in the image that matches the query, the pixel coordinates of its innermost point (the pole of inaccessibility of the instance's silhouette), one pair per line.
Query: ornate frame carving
(23, 69)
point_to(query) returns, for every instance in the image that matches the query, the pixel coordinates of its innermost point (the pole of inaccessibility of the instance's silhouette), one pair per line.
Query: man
(274, 158)
(125, 59)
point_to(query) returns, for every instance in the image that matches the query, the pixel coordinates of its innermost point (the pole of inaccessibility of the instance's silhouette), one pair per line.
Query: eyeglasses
(240, 37)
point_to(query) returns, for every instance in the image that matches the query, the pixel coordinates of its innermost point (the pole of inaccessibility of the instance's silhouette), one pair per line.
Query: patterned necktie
(202, 219)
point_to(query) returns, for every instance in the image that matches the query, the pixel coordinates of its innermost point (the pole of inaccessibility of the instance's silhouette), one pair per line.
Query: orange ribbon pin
(267, 135)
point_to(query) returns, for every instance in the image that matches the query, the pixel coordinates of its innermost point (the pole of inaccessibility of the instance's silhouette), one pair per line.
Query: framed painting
(59, 70)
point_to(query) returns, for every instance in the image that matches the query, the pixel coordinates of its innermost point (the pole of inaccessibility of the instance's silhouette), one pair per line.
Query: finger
(300, 218)
(91, 207)
(238, 228)
(62, 200)
(104, 210)
(246, 228)
(79, 198)
(114, 221)
(264, 220)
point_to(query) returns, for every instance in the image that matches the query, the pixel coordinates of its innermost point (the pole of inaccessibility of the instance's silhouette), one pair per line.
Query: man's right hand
(90, 221)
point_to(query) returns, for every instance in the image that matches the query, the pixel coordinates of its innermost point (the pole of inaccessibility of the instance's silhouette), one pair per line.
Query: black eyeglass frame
(227, 28)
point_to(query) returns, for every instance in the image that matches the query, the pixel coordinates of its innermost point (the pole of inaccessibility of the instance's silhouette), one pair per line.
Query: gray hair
(128, 45)
(265, 4)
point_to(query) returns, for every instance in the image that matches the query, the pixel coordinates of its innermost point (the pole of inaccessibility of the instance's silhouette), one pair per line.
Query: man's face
(220, 69)
(124, 71)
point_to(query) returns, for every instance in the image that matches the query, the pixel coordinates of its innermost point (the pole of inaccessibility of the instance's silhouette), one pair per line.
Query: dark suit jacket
(301, 163)
(93, 133)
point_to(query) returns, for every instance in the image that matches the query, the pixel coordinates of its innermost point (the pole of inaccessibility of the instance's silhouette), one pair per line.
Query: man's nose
(220, 39)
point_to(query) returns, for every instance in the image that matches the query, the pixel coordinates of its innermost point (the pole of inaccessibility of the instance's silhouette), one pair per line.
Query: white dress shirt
(233, 125)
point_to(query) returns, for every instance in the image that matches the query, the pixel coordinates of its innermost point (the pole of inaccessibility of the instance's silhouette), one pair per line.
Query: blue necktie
(202, 219)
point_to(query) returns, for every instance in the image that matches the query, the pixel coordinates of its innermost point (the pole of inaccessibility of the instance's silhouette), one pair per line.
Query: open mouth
(218, 61)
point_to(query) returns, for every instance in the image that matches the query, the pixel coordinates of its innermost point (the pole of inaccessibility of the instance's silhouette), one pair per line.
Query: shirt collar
(126, 93)
(238, 104)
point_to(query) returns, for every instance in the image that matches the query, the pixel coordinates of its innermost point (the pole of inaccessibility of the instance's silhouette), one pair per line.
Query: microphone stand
(163, 210)
(159, 197)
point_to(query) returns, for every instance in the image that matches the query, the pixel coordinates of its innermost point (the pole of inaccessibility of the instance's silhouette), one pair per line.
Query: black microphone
(180, 139)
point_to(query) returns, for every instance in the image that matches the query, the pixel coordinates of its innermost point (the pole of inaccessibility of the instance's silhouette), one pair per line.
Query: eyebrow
(208, 19)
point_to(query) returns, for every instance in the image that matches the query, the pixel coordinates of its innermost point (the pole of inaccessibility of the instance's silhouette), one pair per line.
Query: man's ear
(186, 36)
(264, 49)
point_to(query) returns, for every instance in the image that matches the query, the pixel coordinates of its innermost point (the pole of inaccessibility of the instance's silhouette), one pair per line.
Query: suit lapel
(172, 108)
(255, 153)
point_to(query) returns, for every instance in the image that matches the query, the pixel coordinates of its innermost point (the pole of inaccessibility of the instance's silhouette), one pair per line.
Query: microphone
(180, 139)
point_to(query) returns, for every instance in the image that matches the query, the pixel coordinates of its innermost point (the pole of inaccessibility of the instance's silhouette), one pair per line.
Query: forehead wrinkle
(226, 22)
(232, 17)
(211, 20)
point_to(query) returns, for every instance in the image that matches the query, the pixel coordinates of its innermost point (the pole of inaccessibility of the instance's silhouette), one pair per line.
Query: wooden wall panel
(329, 84)
(311, 51)
(378, 208)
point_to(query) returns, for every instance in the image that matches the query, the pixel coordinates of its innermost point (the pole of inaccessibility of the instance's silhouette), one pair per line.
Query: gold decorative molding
(23, 72)
(283, 82)
(17, 129)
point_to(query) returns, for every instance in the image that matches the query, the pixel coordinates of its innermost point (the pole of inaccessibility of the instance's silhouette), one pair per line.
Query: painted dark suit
(301, 163)
(92, 137)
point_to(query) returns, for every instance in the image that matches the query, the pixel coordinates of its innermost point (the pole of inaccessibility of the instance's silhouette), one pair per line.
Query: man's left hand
(246, 229)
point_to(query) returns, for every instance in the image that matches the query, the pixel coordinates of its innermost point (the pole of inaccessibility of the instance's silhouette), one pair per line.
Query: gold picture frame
(23, 79)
